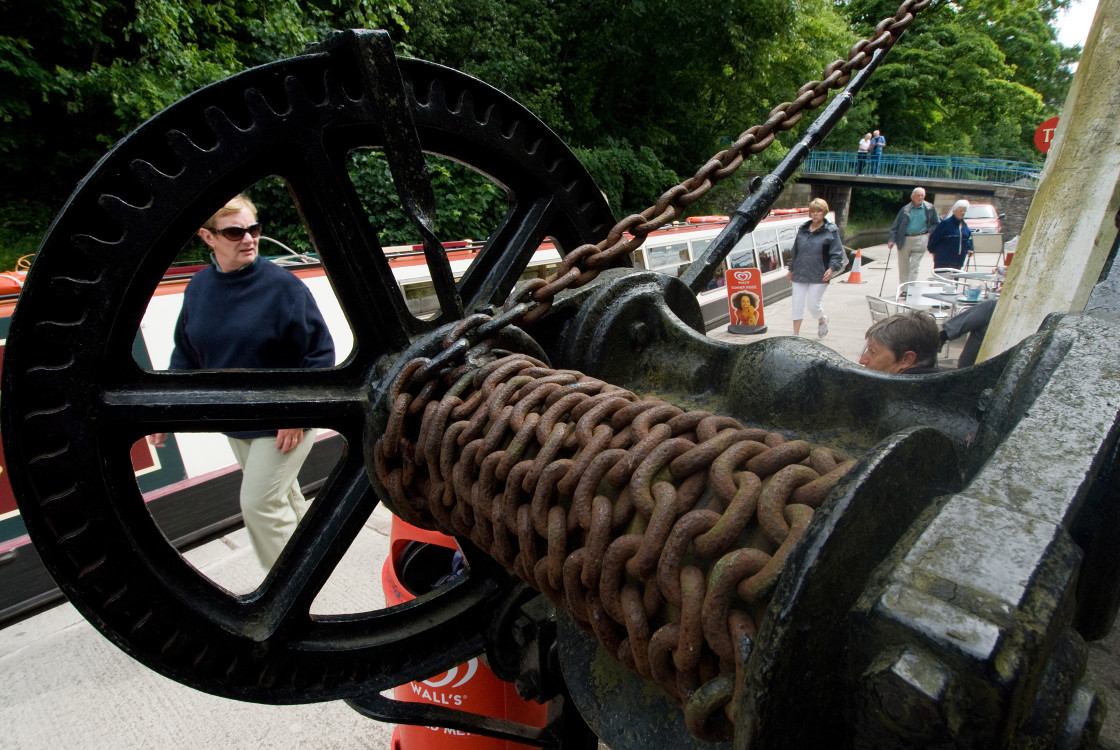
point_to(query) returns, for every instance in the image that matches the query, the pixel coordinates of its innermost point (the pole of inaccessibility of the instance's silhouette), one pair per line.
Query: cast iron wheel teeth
(80, 399)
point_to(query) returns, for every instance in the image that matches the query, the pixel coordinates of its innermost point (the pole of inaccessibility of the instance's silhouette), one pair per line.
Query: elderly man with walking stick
(910, 234)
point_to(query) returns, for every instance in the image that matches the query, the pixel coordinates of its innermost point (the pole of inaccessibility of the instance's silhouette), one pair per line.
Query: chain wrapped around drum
(659, 530)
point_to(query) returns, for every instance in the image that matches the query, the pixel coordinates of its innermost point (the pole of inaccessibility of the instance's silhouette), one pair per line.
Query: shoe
(822, 329)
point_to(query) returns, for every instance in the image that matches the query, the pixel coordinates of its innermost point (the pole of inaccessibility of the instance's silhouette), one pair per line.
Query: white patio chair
(881, 307)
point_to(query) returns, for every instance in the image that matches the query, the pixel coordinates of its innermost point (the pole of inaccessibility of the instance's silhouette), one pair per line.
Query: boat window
(742, 255)
(539, 272)
(766, 243)
(786, 236)
(668, 258)
(420, 296)
(719, 277)
(700, 246)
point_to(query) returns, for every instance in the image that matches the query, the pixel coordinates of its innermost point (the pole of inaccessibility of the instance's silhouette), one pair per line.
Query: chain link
(661, 532)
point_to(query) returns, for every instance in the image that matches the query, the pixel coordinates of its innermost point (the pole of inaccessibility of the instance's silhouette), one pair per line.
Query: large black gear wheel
(75, 399)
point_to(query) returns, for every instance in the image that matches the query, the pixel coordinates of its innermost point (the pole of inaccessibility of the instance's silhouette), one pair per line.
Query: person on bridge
(951, 240)
(910, 234)
(818, 255)
(861, 153)
(878, 141)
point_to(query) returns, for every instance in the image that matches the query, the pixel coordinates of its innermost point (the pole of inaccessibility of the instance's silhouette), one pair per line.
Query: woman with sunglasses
(243, 311)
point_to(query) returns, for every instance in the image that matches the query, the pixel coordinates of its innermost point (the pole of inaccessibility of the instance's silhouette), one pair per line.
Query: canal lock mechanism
(775, 534)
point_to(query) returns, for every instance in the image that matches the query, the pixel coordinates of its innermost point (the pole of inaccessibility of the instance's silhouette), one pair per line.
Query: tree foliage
(77, 75)
(644, 91)
(966, 78)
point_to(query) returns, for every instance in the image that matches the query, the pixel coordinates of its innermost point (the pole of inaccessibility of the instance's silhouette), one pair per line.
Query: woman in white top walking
(861, 154)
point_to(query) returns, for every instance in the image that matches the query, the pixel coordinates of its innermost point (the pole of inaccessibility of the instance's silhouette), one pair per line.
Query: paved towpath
(844, 303)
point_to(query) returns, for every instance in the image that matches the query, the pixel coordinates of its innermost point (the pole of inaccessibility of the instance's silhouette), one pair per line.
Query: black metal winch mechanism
(696, 544)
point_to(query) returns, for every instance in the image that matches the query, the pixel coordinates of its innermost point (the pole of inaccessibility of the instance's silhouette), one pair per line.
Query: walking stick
(886, 268)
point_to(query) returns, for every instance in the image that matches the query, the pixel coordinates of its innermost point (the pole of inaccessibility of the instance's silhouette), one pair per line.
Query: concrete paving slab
(69, 687)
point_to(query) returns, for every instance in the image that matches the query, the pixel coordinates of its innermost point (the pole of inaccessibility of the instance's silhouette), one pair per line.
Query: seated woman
(906, 342)
(973, 321)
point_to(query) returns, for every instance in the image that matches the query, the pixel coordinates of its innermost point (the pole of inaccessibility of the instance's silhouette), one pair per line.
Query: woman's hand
(789, 274)
(286, 440)
(827, 274)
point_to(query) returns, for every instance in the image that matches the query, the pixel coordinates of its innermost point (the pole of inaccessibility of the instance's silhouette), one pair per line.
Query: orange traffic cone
(855, 277)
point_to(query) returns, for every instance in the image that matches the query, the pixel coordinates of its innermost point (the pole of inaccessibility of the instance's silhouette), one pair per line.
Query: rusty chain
(661, 532)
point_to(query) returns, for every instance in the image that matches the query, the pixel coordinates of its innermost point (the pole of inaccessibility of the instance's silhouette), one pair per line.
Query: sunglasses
(234, 234)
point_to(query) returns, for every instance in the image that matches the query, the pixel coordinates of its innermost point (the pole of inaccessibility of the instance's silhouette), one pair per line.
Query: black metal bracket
(765, 191)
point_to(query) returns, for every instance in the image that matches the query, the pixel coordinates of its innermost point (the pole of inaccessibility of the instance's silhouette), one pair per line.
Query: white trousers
(808, 295)
(271, 502)
(910, 254)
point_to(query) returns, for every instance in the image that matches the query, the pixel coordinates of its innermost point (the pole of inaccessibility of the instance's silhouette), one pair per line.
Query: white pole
(1069, 229)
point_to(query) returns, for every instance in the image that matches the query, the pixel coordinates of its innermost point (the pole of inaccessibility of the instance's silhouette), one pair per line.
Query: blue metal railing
(964, 168)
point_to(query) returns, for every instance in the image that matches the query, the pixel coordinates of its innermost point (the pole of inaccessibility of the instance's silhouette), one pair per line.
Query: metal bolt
(640, 333)
(911, 692)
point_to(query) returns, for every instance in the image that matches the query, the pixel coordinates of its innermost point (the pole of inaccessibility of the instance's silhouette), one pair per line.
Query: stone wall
(796, 195)
(1016, 203)
(839, 199)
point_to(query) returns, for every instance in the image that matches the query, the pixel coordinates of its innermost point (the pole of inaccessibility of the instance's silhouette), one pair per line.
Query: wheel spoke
(241, 400)
(322, 539)
(351, 253)
(406, 160)
(489, 281)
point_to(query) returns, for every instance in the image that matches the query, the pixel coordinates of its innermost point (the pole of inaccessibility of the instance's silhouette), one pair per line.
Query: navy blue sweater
(261, 316)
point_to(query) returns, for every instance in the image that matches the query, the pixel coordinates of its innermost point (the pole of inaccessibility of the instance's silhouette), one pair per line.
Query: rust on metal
(661, 532)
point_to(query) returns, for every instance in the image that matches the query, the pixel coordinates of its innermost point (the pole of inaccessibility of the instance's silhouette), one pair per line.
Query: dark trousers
(861, 161)
(973, 321)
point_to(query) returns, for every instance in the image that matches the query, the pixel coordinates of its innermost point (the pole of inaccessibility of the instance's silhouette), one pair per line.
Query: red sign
(744, 296)
(7, 497)
(1044, 136)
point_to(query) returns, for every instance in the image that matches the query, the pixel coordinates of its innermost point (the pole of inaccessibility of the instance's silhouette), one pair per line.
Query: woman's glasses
(234, 234)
